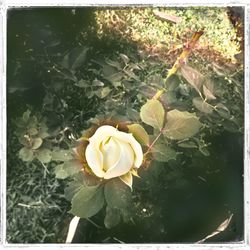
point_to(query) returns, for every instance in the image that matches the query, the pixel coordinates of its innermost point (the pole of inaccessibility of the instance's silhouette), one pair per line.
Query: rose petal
(125, 162)
(102, 133)
(135, 146)
(94, 159)
(111, 153)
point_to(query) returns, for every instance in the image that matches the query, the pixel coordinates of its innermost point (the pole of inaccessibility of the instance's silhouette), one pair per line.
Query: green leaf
(187, 144)
(72, 189)
(152, 113)
(117, 194)
(202, 106)
(97, 83)
(133, 114)
(61, 172)
(222, 110)
(36, 143)
(112, 217)
(114, 64)
(75, 58)
(208, 94)
(193, 77)
(156, 80)
(103, 92)
(169, 98)
(208, 90)
(181, 125)
(67, 169)
(139, 133)
(124, 58)
(163, 153)
(62, 155)
(33, 131)
(172, 82)
(26, 154)
(24, 141)
(44, 155)
(88, 201)
(26, 116)
(82, 84)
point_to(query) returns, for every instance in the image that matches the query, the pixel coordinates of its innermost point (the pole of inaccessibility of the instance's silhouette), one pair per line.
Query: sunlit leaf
(62, 155)
(153, 114)
(208, 94)
(61, 172)
(36, 143)
(209, 89)
(139, 133)
(163, 153)
(67, 169)
(181, 125)
(44, 155)
(124, 58)
(166, 17)
(88, 201)
(26, 154)
(103, 92)
(202, 106)
(97, 83)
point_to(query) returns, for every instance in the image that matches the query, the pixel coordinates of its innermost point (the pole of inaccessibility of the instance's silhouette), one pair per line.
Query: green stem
(153, 143)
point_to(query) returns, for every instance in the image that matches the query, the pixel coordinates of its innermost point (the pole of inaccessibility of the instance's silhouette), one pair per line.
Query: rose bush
(112, 153)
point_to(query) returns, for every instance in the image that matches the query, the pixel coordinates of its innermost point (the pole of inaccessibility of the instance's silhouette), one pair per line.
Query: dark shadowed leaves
(112, 217)
(88, 201)
(117, 194)
(163, 153)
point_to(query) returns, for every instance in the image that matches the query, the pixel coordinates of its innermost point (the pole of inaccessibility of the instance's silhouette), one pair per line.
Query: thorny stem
(183, 56)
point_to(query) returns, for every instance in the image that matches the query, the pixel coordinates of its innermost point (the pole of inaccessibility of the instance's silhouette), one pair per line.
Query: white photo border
(7, 4)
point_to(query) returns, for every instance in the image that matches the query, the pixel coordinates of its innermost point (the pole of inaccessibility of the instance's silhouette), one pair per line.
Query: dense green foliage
(144, 27)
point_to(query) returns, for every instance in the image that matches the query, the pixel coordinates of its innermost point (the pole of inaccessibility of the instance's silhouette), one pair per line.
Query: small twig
(92, 222)
(153, 143)
(46, 171)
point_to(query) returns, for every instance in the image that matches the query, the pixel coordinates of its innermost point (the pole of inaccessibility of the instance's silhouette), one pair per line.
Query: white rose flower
(113, 153)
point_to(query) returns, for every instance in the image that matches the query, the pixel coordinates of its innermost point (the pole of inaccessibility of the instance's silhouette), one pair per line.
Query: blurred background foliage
(69, 67)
